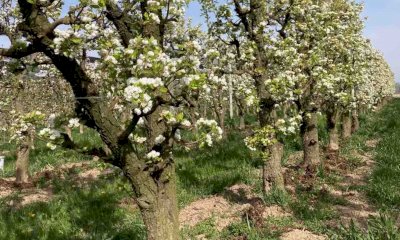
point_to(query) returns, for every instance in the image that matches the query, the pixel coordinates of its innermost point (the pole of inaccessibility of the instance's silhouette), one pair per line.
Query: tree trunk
(332, 120)
(219, 109)
(204, 112)
(240, 108)
(346, 126)
(22, 163)
(309, 132)
(272, 169)
(242, 124)
(193, 116)
(156, 197)
(81, 128)
(161, 218)
(32, 141)
(68, 131)
(355, 123)
(230, 98)
(222, 120)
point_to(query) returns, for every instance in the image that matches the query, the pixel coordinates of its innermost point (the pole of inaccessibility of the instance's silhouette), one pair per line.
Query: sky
(382, 27)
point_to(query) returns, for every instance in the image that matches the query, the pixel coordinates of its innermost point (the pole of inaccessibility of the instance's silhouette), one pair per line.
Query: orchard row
(142, 76)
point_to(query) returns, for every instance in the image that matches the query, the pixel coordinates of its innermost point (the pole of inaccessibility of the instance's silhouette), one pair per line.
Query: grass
(91, 212)
(379, 227)
(94, 211)
(41, 156)
(384, 187)
(209, 171)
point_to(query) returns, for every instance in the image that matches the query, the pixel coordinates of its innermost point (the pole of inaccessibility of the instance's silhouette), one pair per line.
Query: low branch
(18, 51)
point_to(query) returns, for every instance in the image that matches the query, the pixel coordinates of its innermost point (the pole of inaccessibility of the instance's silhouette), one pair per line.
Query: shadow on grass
(209, 171)
(41, 157)
(93, 212)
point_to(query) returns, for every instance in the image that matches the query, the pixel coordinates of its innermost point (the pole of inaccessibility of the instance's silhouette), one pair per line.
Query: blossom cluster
(208, 132)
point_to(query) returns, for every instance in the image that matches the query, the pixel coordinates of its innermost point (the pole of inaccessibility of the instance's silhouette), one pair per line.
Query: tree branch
(18, 51)
(120, 20)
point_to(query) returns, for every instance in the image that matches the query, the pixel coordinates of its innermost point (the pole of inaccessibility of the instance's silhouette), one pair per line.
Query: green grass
(94, 211)
(41, 156)
(209, 171)
(384, 187)
(382, 227)
(90, 212)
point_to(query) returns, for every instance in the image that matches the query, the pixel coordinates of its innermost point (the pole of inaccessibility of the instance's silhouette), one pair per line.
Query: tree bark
(22, 163)
(156, 197)
(332, 120)
(220, 112)
(32, 141)
(272, 169)
(346, 126)
(242, 124)
(240, 106)
(309, 132)
(68, 131)
(355, 123)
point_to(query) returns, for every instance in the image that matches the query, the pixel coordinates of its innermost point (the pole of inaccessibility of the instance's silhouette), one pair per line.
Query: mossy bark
(272, 175)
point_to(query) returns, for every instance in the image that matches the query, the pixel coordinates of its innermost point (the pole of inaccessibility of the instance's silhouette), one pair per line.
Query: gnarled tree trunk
(309, 133)
(272, 169)
(272, 175)
(156, 197)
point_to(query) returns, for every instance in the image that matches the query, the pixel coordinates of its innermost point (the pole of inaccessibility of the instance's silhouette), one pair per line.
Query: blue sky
(382, 27)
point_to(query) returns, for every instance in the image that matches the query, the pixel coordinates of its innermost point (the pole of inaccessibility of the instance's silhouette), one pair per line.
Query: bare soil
(298, 234)
(357, 208)
(234, 203)
(22, 194)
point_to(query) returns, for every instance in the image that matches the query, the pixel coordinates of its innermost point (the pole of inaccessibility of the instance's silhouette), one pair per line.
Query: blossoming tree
(29, 94)
(143, 69)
